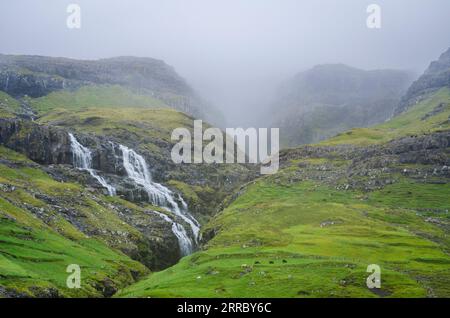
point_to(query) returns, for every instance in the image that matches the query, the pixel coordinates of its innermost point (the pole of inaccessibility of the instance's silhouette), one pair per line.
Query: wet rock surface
(41, 144)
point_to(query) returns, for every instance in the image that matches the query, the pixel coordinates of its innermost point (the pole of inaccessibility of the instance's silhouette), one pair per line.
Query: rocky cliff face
(45, 145)
(435, 77)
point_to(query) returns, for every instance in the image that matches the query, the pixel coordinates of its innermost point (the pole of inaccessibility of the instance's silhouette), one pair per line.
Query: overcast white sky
(234, 52)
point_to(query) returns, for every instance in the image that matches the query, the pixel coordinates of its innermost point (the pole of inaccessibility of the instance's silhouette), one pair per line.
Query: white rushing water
(184, 241)
(137, 170)
(82, 159)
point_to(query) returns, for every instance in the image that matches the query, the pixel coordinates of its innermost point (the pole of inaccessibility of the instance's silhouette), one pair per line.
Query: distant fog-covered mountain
(327, 99)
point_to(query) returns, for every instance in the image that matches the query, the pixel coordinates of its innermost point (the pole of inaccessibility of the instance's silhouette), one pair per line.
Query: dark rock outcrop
(434, 78)
(373, 167)
(42, 144)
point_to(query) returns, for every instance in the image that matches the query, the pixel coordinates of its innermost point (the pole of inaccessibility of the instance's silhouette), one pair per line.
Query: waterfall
(178, 230)
(7, 82)
(137, 170)
(82, 159)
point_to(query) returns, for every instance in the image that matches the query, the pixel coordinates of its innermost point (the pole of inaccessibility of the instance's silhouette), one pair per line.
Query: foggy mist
(233, 52)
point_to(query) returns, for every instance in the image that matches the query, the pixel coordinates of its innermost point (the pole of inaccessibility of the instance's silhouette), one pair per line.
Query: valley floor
(303, 239)
(378, 195)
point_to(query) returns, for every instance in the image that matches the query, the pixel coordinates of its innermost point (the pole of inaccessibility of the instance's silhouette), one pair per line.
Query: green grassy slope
(99, 96)
(279, 241)
(425, 117)
(56, 215)
(8, 105)
(37, 243)
(304, 232)
(112, 111)
(33, 261)
(146, 125)
(134, 80)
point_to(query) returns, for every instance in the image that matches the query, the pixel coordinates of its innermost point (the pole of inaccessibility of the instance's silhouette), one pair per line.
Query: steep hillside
(37, 76)
(119, 100)
(145, 125)
(8, 106)
(105, 131)
(96, 177)
(312, 229)
(328, 99)
(86, 178)
(434, 78)
(54, 204)
(430, 115)
(46, 225)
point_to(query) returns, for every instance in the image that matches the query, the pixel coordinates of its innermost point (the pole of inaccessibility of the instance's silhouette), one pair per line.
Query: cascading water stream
(82, 159)
(137, 170)
(6, 84)
(184, 241)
